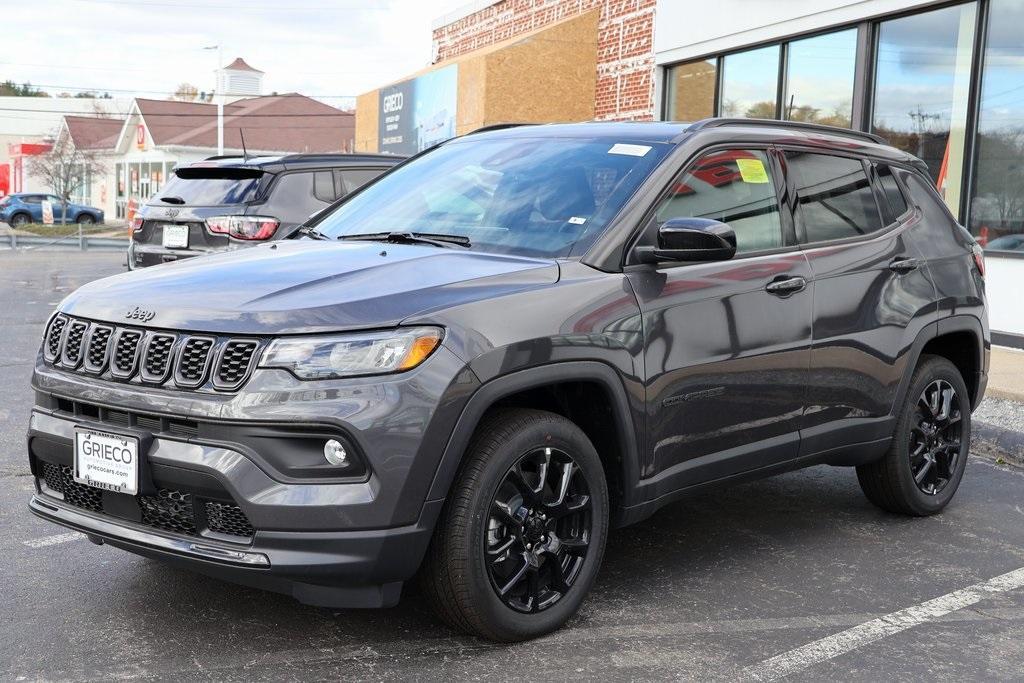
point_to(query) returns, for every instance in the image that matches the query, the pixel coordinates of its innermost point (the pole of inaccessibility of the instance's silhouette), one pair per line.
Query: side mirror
(691, 239)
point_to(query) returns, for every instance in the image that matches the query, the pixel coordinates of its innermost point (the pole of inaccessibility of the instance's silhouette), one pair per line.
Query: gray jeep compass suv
(474, 366)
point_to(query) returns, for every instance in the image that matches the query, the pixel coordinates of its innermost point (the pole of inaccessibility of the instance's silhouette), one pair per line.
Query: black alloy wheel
(538, 530)
(935, 440)
(86, 219)
(924, 464)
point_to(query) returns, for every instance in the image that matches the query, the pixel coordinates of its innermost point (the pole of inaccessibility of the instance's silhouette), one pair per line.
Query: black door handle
(903, 265)
(784, 285)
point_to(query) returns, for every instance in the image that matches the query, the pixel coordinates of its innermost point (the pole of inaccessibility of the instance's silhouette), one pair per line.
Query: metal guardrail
(83, 243)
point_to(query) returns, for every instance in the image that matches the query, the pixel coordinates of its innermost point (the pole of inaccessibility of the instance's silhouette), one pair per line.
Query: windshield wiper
(172, 200)
(312, 232)
(434, 239)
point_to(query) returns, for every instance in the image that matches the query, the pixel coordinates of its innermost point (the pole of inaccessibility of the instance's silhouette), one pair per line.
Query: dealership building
(942, 80)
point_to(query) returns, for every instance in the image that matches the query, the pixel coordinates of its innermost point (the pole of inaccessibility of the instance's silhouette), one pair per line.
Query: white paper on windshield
(629, 150)
(577, 220)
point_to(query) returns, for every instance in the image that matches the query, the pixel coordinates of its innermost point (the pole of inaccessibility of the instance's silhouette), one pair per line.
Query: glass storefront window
(922, 87)
(750, 83)
(997, 200)
(819, 79)
(690, 90)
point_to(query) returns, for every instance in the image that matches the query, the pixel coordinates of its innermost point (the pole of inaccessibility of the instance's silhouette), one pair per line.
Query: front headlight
(353, 355)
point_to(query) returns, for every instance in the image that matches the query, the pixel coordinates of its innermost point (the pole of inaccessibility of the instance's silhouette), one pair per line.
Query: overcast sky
(323, 48)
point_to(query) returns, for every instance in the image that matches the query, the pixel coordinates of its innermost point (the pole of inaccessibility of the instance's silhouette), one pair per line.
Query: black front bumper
(326, 569)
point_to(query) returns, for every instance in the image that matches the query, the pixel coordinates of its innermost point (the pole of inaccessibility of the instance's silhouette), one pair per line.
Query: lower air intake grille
(228, 519)
(169, 510)
(61, 479)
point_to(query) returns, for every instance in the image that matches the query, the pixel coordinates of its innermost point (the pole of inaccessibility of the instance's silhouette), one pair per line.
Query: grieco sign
(418, 113)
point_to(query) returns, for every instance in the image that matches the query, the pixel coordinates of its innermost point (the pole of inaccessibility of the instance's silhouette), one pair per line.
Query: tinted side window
(32, 199)
(323, 186)
(891, 191)
(351, 179)
(835, 197)
(293, 198)
(734, 187)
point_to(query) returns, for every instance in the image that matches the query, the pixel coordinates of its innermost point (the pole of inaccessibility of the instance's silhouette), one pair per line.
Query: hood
(293, 287)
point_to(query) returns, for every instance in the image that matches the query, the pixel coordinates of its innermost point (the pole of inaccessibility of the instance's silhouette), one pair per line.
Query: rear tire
(922, 469)
(512, 558)
(20, 219)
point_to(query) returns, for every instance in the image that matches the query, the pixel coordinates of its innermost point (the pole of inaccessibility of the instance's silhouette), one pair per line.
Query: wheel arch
(552, 387)
(961, 340)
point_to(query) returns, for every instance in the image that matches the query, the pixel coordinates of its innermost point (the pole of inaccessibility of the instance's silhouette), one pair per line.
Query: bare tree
(186, 92)
(64, 169)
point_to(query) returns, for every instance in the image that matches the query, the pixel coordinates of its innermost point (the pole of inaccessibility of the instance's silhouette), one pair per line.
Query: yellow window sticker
(752, 170)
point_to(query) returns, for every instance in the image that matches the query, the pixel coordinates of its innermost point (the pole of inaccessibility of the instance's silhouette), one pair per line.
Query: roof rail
(794, 125)
(498, 126)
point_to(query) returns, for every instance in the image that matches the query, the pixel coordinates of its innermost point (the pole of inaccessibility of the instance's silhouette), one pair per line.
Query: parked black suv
(474, 366)
(229, 202)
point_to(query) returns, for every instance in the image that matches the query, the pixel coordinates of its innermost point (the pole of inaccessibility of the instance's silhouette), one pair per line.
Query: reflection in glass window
(835, 198)
(819, 79)
(750, 83)
(734, 187)
(690, 90)
(922, 84)
(997, 203)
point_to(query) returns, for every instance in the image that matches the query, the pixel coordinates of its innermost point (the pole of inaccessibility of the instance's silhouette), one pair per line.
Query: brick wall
(625, 61)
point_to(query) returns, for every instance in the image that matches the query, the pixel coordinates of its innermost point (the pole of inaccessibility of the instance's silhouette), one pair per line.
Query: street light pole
(220, 102)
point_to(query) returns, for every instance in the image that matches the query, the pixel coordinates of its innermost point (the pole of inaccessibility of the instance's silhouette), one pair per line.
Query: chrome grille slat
(74, 339)
(125, 358)
(97, 348)
(129, 354)
(194, 361)
(156, 357)
(234, 363)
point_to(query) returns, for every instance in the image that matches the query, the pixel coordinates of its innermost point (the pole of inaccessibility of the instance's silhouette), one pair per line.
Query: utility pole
(220, 102)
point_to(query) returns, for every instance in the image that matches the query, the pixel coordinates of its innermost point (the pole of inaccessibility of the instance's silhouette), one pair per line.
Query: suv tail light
(243, 227)
(136, 224)
(979, 258)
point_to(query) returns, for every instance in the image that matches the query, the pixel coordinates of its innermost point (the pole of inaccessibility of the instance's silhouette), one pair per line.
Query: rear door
(872, 294)
(726, 359)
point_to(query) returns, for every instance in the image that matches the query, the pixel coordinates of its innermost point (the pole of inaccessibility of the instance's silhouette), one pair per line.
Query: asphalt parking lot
(762, 580)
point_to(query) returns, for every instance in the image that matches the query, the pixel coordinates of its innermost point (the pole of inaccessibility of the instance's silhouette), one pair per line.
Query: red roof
(94, 132)
(240, 65)
(276, 123)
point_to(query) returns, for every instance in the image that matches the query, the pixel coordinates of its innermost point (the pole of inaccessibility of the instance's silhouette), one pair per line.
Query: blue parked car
(23, 208)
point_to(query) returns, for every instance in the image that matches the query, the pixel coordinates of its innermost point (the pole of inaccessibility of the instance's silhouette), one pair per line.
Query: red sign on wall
(140, 136)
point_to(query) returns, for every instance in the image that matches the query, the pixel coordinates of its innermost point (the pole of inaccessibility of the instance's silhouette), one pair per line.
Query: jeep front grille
(127, 354)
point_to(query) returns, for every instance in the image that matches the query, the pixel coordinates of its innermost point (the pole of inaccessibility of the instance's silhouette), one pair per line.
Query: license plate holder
(175, 236)
(107, 461)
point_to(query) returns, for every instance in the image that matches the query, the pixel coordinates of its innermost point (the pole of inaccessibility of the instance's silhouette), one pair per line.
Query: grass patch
(71, 229)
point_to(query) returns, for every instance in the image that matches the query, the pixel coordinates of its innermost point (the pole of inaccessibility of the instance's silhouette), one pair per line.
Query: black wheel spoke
(540, 498)
(934, 440)
(922, 473)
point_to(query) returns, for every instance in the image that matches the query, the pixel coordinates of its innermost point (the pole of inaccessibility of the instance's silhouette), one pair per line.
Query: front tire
(86, 219)
(522, 535)
(926, 460)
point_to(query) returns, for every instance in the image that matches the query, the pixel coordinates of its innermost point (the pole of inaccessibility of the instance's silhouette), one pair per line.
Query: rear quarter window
(834, 195)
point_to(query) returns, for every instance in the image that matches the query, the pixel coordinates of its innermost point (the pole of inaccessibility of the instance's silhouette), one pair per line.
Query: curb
(1008, 443)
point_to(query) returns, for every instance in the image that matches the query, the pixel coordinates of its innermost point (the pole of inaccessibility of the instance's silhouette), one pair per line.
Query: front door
(726, 343)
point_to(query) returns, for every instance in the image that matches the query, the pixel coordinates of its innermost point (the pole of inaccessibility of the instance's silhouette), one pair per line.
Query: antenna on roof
(245, 155)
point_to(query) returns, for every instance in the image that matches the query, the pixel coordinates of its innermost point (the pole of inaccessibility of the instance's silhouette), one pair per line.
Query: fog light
(335, 452)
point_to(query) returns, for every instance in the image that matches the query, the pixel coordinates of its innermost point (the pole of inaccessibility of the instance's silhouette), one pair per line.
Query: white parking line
(840, 643)
(54, 540)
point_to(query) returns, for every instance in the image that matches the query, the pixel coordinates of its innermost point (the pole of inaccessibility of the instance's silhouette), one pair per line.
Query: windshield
(525, 196)
(209, 190)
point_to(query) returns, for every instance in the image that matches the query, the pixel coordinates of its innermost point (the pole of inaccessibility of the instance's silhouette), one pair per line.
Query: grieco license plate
(175, 236)
(107, 461)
